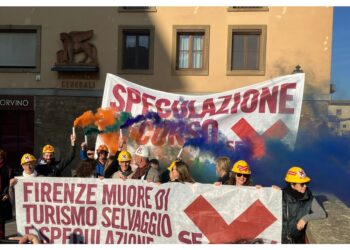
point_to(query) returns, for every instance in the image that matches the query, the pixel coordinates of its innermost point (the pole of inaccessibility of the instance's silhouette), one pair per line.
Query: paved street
(10, 228)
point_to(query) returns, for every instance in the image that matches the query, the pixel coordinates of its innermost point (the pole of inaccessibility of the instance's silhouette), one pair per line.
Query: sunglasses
(244, 175)
(90, 153)
(303, 184)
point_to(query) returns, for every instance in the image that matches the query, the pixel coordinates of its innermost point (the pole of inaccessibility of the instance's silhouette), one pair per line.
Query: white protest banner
(110, 211)
(270, 109)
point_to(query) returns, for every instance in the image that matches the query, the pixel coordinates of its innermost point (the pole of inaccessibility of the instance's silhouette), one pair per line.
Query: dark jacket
(111, 166)
(6, 174)
(106, 170)
(295, 207)
(55, 168)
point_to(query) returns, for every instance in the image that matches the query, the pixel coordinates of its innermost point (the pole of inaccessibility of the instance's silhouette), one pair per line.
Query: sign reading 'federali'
(8, 102)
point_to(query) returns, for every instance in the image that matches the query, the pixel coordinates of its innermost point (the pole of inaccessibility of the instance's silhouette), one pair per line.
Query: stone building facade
(273, 40)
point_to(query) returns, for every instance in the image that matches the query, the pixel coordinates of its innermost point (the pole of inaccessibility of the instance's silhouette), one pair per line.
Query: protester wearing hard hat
(49, 166)
(144, 171)
(28, 163)
(299, 206)
(125, 172)
(241, 174)
(102, 153)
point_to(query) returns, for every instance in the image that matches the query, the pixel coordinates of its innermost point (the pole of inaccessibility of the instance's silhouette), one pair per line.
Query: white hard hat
(142, 151)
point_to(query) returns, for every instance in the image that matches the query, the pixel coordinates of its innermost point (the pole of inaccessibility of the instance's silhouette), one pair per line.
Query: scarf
(139, 172)
(294, 193)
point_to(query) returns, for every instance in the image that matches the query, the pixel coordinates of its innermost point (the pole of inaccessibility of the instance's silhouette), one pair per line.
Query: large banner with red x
(266, 110)
(113, 211)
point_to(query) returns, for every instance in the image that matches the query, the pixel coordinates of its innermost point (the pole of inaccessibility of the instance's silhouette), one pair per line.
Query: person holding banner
(47, 164)
(299, 206)
(112, 165)
(28, 162)
(125, 172)
(223, 165)
(241, 174)
(144, 171)
(179, 172)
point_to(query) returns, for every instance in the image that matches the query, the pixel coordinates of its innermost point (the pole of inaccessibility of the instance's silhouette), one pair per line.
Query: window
(246, 50)
(190, 50)
(338, 111)
(344, 125)
(136, 50)
(20, 48)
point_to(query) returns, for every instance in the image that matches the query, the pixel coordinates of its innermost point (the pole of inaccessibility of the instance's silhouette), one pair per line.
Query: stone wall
(335, 229)
(54, 117)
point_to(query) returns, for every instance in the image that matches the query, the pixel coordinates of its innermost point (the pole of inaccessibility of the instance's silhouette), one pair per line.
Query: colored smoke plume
(108, 123)
(105, 117)
(111, 140)
(86, 119)
(153, 116)
(324, 158)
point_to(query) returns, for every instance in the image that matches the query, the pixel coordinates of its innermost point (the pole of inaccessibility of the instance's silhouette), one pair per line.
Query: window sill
(190, 72)
(19, 70)
(245, 72)
(135, 71)
(151, 9)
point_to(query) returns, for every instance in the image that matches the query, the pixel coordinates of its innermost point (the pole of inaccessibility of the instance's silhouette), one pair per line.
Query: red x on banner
(254, 220)
(245, 131)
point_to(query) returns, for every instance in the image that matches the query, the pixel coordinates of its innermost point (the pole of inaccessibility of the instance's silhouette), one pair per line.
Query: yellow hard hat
(27, 158)
(48, 149)
(296, 175)
(124, 156)
(241, 167)
(102, 147)
(172, 165)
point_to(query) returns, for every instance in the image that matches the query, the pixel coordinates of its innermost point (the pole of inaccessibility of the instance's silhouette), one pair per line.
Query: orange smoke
(85, 119)
(104, 118)
(111, 140)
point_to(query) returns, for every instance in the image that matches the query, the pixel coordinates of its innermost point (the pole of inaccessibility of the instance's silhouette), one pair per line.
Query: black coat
(6, 174)
(294, 208)
(55, 168)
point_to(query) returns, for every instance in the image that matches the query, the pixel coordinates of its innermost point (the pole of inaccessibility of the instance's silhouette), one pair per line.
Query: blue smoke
(324, 159)
(153, 116)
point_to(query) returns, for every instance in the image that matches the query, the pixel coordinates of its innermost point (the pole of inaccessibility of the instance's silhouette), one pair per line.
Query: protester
(86, 151)
(223, 165)
(154, 163)
(241, 174)
(6, 174)
(102, 153)
(125, 171)
(144, 171)
(112, 166)
(86, 168)
(179, 172)
(49, 166)
(299, 206)
(28, 163)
